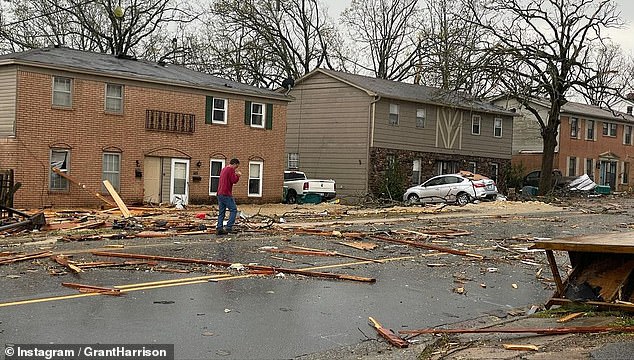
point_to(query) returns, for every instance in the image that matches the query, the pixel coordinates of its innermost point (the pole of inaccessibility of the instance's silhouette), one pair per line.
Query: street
(238, 315)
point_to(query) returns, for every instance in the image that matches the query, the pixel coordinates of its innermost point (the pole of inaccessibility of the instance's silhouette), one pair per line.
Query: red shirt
(228, 177)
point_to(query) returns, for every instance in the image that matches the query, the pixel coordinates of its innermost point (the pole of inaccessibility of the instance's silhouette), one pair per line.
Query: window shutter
(209, 109)
(247, 113)
(269, 117)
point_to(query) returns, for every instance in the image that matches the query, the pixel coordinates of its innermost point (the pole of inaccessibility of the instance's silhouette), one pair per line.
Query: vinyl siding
(8, 80)
(327, 125)
(406, 136)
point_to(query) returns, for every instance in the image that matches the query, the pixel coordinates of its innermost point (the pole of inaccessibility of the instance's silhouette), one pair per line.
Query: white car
(451, 188)
(485, 188)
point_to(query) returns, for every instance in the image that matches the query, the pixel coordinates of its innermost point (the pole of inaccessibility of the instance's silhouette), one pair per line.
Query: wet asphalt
(266, 317)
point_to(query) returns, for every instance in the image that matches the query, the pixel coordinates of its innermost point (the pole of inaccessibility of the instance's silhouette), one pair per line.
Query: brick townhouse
(591, 140)
(158, 132)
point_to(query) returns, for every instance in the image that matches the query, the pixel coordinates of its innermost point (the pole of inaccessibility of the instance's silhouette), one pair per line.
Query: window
(589, 129)
(475, 125)
(62, 91)
(255, 178)
(572, 166)
(215, 166)
(416, 172)
(60, 158)
(293, 161)
(421, 114)
(574, 128)
(111, 170)
(627, 135)
(114, 98)
(257, 115)
(590, 168)
(626, 172)
(497, 127)
(609, 129)
(494, 172)
(393, 114)
(472, 167)
(215, 110)
(390, 160)
(447, 167)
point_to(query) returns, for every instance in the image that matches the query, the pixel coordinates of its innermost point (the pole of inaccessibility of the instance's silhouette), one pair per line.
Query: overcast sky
(624, 36)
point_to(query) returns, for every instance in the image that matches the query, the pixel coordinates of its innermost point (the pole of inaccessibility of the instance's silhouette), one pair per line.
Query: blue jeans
(226, 202)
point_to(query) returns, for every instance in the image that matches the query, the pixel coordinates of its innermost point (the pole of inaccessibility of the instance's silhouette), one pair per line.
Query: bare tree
(452, 53)
(610, 76)
(387, 33)
(266, 41)
(94, 25)
(545, 46)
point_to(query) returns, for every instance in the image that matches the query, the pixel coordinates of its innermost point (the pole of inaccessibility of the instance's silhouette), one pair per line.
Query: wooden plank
(609, 273)
(543, 331)
(618, 243)
(62, 260)
(81, 185)
(569, 317)
(388, 334)
(429, 247)
(228, 264)
(360, 245)
(520, 347)
(555, 271)
(124, 209)
(91, 288)
(37, 255)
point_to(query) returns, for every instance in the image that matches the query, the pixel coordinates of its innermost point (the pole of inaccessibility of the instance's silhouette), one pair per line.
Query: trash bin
(310, 199)
(602, 189)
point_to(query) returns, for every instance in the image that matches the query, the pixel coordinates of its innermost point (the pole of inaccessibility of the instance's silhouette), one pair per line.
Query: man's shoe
(229, 231)
(221, 232)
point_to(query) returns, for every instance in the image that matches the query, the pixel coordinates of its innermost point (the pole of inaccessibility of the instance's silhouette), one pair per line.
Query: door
(608, 174)
(179, 186)
(152, 179)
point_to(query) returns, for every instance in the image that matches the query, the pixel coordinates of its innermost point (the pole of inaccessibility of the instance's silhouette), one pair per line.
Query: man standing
(228, 176)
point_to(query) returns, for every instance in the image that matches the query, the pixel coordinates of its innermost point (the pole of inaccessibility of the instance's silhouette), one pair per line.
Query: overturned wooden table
(602, 267)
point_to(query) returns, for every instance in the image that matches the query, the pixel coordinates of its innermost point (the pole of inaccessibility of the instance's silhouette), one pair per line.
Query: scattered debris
(520, 347)
(91, 288)
(63, 260)
(541, 331)
(37, 255)
(570, 317)
(388, 334)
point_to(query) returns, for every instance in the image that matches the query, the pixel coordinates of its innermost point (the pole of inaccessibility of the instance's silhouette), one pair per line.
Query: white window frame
(211, 176)
(497, 121)
(589, 170)
(262, 115)
(67, 93)
(394, 114)
(65, 170)
(416, 171)
(574, 130)
(625, 128)
(116, 184)
(476, 119)
(223, 109)
(473, 167)
(495, 171)
(593, 137)
(292, 161)
(259, 193)
(607, 129)
(114, 98)
(625, 172)
(421, 123)
(576, 165)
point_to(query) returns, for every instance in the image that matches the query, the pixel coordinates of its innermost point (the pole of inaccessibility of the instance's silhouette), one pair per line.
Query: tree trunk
(549, 135)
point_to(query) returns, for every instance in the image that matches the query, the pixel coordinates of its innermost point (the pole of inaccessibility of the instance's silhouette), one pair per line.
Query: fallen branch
(429, 247)
(228, 264)
(542, 331)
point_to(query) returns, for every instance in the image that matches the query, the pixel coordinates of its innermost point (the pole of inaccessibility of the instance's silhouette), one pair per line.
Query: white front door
(179, 184)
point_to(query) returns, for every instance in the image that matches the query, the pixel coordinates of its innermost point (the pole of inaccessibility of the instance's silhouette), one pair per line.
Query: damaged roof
(63, 58)
(412, 92)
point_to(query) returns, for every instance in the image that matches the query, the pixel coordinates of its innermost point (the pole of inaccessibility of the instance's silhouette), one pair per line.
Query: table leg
(555, 271)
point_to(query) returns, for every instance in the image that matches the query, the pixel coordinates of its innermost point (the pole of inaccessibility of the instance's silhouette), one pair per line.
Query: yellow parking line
(183, 281)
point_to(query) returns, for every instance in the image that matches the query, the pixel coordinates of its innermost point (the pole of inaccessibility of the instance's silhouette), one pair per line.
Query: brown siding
(328, 127)
(87, 130)
(406, 136)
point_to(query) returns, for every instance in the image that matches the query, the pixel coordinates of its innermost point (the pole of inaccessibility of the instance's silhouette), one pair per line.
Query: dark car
(533, 177)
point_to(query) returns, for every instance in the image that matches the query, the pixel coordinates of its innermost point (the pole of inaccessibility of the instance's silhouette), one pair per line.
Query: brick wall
(87, 130)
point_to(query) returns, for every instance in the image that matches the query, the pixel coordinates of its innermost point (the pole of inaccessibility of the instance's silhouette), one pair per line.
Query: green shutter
(209, 109)
(269, 116)
(247, 113)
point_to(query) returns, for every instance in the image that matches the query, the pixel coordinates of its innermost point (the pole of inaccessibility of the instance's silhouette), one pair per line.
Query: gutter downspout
(371, 113)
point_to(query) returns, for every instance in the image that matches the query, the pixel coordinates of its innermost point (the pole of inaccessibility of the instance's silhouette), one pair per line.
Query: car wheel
(462, 199)
(413, 198)
(291, 197)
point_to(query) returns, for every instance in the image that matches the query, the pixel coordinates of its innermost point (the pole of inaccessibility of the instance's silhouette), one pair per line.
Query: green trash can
(310, 199)
(602, 189)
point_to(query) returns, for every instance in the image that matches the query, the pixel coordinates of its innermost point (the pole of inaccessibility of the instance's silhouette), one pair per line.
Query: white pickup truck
(298, 187)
